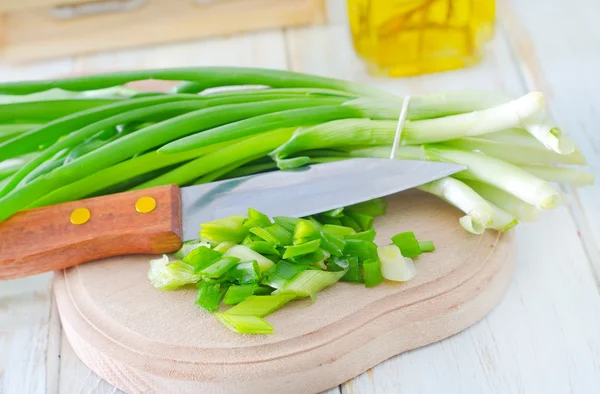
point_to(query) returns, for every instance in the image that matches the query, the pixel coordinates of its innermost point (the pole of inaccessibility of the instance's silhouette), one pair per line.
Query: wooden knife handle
(45, 239)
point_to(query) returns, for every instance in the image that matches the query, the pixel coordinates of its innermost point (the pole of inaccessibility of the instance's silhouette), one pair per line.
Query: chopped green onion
(229, 229)
(237, 294)
(334, 213)
(301, 249)
(372, 272)
(426, 246)
(286, 222)
(347, 221)
(329, 220)
(309, 283)
(407, 243)
(220, 268)
(224, 246)
(394, 266)
(260, 305)
(281, 273)
(338, 231)
(244, 253)
(263, 247)
(245, 324)
(304, 231)
(187, 247)
(168, 276)
(256, 219)
(364, 250)
(262, 290)
(209, 295)
(353, 274)
(265, 235)
(277, 235)
(245, 273)
(364, 221)
(332, 244)
(368, 235)
(313, 258)
(374, 207)
(202, 257)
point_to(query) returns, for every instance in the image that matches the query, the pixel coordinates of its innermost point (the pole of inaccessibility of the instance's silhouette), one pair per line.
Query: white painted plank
(24, 329)
(543, 331)
(564, 63)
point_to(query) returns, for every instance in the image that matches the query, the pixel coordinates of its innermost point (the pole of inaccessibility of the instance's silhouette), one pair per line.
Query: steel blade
(307, 190)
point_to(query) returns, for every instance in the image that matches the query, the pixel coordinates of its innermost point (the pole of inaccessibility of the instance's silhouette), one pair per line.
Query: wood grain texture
(168, 345)
(34, 34)
(44, 239)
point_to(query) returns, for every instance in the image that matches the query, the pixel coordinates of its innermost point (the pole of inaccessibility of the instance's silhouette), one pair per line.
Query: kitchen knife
(157, 220)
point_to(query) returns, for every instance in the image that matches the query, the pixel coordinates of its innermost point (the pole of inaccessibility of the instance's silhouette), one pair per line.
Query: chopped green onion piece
(223, 247)
(364, 250)
(262, 290)
(353, 274)
(372, 273)
(169, 276)
(188, 246)
(245, 324)
(202, 257)
(407, 243)
(281, 273)
(394, 266)
(375, 207)
(223, 230)
(426, 246)
(263, 248)
(244, 253)
(256, 219)
(338, 231)
(329, 220)
(347, 221)
(309, 283)
(311, 258)
(286, 222)
(302, 249)
(317, 224)
(368, 235)
(220, 268)
(260, 305)
(364, 221)
(209, 295)
(334, 213)
(245, 273)
(332, 244)
(248, 240)
(265, 235)
(338, 263)
(237, 294)
(305, 231)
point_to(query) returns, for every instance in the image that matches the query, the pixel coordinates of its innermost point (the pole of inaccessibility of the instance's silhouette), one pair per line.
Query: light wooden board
(166, 344)
(502, 353)
(34, 34)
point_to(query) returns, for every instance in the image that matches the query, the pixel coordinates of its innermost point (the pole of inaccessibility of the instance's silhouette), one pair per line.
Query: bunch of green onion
(71, 138)
(258, 264)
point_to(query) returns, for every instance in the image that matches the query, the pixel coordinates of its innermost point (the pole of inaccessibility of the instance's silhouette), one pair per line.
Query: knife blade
(158, 220)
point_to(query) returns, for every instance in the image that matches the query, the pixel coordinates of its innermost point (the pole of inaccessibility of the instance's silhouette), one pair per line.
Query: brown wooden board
(141, 339)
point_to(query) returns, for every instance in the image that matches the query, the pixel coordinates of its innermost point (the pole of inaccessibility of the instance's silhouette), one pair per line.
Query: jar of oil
(410, 37)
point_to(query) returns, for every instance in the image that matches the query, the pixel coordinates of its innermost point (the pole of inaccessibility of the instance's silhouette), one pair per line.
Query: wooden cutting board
(143, 340)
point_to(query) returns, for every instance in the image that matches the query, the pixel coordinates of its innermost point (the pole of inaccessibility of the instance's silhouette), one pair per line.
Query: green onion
(316, 258)
(372, 273)
(305, 231)
(332, 244)
(426, 246)
(245, 324)
(256, 219)
(354, 271)
(229, 229)
(223, 247)
(260, 305)
(338, 231)
(237, 294)
(393, 265)
(301, 249)
(245, 273)
(334, 213)
(201, 257)
(407, 243)
(220, 267)
(364, 221)
(374, 207)
(281, 273)
(209, 296)
(309, 283)
(347, 221)
(263, 247)
(244, 253)
(368, 235)
(169, 276)
(364, 250)
(287, 223)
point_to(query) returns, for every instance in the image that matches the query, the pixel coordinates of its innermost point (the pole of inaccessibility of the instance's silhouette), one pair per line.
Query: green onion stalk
(66, 139)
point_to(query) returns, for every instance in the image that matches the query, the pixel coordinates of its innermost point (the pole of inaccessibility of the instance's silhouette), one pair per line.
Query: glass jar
(410, 37)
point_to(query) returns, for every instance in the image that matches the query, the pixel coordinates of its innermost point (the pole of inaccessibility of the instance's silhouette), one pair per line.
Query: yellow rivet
(145, 204)
(80, 216)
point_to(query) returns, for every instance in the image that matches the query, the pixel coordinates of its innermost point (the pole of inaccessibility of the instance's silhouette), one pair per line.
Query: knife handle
(46, 239)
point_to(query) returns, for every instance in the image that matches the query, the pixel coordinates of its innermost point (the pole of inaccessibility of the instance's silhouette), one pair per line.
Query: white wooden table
(544, 337)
